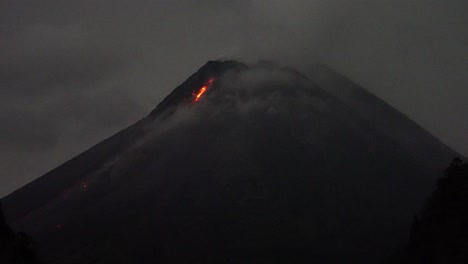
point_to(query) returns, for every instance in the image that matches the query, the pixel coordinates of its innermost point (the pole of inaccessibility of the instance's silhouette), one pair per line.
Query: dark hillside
(239, 164)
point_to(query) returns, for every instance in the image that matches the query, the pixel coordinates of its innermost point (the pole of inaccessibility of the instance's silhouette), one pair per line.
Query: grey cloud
(22, 129)
(45, 57)
(82, 115)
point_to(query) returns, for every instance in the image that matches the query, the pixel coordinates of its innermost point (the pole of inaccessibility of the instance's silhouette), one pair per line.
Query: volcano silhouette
(263, 165)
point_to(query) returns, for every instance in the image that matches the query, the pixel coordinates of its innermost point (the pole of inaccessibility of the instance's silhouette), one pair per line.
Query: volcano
(240, 164)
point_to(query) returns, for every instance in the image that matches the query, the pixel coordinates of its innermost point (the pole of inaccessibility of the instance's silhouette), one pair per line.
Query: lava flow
(202, 90)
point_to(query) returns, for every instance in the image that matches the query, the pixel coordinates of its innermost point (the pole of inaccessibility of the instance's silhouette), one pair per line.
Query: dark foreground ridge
(15, 247)
(239, 164)
(439, 234)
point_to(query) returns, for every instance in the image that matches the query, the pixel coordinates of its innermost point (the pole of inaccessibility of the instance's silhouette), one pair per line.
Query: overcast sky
(74, 72)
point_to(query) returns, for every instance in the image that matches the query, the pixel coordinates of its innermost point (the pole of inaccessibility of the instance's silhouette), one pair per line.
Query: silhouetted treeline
(15, 248)
(440, 233)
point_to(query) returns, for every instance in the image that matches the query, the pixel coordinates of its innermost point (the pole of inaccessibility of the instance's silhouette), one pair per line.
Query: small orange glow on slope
(200, 93)
(202, 90)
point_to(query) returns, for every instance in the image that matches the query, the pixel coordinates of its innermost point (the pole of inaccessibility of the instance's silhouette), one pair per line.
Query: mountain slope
(243, 164)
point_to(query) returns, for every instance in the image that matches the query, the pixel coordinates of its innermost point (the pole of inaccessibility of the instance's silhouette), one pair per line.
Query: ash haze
(74, 72)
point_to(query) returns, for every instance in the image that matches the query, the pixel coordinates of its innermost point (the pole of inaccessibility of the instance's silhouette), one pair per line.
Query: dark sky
(74, 72)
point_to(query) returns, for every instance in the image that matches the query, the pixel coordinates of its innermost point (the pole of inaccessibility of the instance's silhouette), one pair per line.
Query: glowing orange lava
(200, 93)
(202, 90)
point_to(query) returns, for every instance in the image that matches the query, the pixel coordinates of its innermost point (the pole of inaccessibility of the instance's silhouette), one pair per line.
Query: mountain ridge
(261, 139)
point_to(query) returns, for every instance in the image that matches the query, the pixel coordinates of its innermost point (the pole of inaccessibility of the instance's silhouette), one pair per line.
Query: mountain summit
(240, 164)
